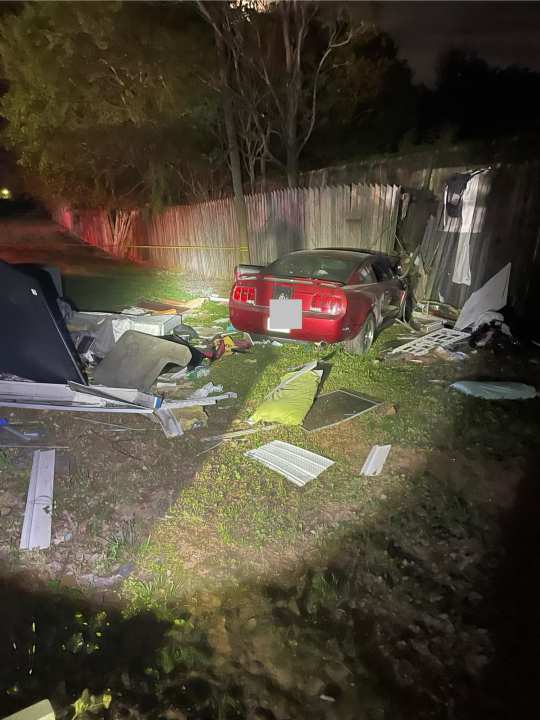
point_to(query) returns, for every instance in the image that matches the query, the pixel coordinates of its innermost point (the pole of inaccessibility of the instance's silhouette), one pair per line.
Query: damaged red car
(338, 295)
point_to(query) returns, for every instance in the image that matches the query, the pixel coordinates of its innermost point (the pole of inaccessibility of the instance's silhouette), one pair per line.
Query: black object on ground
(336, 407)
(138, 359)
(34, 341)
(196, 355)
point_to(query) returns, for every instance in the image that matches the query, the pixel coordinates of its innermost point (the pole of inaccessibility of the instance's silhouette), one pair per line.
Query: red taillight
(328, 304)
(244, 294)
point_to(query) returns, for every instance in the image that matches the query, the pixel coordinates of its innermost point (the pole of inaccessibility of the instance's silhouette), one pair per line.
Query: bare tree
(282, 67)
(217, 15)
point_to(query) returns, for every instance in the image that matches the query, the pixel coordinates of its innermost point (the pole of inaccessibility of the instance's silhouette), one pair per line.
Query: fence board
(203, 239)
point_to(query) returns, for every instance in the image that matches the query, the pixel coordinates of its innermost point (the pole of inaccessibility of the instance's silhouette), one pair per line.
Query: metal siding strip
(36, 531)
(375, 460)
(296, 464)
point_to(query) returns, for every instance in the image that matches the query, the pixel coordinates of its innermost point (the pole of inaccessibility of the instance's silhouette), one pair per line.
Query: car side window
(383, 270)
(365, 275)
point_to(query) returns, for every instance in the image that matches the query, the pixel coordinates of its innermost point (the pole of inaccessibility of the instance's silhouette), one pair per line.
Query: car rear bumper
(316, 327)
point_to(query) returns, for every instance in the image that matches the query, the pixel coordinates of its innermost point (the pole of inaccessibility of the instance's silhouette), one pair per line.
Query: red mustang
(342, 295)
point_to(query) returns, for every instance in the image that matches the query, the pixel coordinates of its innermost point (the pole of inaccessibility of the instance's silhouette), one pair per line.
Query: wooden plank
(36, 531)
(41, 710)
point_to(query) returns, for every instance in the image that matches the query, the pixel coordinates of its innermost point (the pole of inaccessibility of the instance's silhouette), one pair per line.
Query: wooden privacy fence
(203, 239)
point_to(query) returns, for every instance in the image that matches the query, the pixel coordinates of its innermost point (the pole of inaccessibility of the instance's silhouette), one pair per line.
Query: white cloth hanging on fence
(470, 221)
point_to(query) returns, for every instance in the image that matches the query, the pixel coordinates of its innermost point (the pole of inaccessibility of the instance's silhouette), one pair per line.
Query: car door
(364, 296)
(390, 290)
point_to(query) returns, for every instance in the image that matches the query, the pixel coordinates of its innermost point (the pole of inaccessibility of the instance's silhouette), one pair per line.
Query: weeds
(152, 594)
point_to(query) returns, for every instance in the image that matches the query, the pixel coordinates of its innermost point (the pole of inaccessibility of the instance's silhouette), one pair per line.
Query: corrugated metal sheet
(296, 464)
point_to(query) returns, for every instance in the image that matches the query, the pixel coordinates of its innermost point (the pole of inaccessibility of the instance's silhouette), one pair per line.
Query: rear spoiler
(241, 271)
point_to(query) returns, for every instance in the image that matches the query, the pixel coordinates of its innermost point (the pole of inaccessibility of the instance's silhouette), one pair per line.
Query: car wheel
(363, 341)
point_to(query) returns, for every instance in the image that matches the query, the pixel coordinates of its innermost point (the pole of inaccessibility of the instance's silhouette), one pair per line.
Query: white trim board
(36, 530)
(375, 460)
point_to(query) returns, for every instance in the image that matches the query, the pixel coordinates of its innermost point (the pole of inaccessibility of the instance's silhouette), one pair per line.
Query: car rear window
(316, 265)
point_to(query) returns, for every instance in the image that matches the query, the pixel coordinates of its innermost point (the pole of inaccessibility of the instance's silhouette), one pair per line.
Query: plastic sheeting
(491, 390)
(491, 296)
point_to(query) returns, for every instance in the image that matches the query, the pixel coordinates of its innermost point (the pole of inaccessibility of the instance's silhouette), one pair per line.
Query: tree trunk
(292, 144)
(292, 166)
(232, 141)
(262, 167)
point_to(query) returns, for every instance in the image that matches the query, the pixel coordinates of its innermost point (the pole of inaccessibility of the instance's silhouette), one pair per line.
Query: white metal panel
(296, 464)
(425, 344)
(375, 460)
(36, 531)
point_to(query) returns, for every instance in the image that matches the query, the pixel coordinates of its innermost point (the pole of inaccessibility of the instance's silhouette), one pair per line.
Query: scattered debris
(36, 531)
(4, 425)
(191, 418)
(444, 354)
(490, 330)
(42, 710)
(161, 305)
(199, 372)
(35, 342)
(425, 344)
(494, 390)
(239, 433)
(488, 317)
(336, 407)
(375, 460)
(129, 396)
(156, 325)
(102, 324)
(327, 698)
(208, 333)
(113, 426)
(169, 423)
(294, 463)
(138, 359)
(291, 400)
(51, 396)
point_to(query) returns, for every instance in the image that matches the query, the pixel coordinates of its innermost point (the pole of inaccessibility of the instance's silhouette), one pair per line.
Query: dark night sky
(503, 33)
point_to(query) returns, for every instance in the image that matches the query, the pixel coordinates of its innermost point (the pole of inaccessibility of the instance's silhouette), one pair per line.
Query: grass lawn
(239, 519)
(121, 286)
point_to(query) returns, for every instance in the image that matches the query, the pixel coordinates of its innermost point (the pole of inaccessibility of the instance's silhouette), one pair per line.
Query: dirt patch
(111, 487)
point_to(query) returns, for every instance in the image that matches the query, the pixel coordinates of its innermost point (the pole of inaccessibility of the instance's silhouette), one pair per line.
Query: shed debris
(294, 463)
(375, 460)
(36, 530)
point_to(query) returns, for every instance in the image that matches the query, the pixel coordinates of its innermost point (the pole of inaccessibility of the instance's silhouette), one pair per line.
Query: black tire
(361, 344)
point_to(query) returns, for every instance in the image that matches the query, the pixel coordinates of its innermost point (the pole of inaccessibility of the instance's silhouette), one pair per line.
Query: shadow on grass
(419, 613)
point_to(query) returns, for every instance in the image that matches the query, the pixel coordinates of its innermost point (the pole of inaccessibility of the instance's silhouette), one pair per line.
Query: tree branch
(332, 45)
